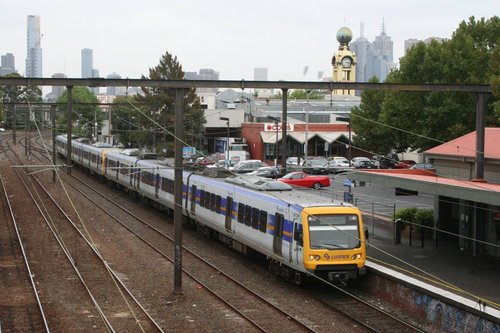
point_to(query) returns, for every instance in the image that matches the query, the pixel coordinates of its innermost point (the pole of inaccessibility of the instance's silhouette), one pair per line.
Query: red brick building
(323, 139)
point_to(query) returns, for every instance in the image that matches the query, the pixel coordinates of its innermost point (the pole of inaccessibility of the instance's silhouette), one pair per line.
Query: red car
(404, 164)
(306, 180)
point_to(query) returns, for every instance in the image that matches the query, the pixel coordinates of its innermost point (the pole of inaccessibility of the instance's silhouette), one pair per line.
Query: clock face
(346, 62)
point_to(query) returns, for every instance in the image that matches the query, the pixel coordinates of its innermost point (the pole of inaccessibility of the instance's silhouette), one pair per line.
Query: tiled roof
(465, 146)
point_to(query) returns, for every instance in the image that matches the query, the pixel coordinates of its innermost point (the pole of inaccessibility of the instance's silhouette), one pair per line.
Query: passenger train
(300, 234)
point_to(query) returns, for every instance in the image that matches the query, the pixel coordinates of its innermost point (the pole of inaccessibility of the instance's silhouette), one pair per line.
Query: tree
(127, 121)
(365, 120)
(86, 112)
(161, 102)
(427, 118)
(10, 95)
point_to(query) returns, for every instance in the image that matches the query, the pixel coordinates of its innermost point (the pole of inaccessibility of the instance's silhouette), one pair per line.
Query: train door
(193, 200)
(229, 213)
(157, 185)
(137, 177)
(296, 250)
(117, 169)
(278, 234)
(131, 175)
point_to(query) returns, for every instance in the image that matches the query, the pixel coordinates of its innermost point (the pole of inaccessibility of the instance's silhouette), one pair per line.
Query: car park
(303, 179)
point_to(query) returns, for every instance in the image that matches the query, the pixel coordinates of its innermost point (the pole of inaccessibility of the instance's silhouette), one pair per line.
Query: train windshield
(339, 231)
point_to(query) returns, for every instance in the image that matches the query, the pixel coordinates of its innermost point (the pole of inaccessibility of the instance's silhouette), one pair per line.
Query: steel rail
(68, 255)
(25, 258)
(190, 252)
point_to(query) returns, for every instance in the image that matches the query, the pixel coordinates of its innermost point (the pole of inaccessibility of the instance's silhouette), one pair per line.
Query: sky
(231, 37)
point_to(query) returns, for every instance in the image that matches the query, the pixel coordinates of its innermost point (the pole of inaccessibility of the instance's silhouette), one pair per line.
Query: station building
(463, 205)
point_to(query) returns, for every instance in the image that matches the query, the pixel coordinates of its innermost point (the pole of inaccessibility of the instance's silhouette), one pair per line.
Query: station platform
(471, 280)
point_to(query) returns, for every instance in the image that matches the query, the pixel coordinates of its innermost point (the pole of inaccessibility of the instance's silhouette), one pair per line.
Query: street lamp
(306, 147)
(276, 122)
(227, 144)
(349, 152)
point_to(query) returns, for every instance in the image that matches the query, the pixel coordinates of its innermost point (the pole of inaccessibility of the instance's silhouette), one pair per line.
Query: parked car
(357, 161)
(292, 161)
(315, 166)
(424, 166)
(338, 164)
(404, 164)
(305, 180)
(267, 172)
(249, 166)
(203, 160)
(383, 162)
(222, 164)
(364, 165)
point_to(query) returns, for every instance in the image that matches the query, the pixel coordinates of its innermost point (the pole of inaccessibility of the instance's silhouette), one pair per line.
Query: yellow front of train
(334, 242)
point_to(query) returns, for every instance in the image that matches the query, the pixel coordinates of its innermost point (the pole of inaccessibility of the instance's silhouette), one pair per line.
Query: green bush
(424, 217)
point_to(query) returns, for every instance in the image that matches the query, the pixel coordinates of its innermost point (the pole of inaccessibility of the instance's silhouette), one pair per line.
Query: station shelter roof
(429, 182)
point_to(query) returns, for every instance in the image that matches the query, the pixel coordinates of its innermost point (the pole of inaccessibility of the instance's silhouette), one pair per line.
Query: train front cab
(334, 242)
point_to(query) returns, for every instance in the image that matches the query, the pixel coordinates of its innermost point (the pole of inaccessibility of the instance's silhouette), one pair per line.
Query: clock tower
(344, 62)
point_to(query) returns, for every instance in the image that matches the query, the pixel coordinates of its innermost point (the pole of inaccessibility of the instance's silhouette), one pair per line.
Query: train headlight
(356, 256)
(314, 257)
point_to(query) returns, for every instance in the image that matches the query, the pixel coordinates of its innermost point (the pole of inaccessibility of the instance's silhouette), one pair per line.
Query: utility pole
(227, 143)
(69, 114)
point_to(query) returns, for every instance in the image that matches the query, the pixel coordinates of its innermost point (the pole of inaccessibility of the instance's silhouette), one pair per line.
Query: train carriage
(297, 231)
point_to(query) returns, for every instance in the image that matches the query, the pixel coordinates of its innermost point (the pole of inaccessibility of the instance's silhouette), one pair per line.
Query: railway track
(22, 309)
(247, 303)
(368, 316)
(104, 293)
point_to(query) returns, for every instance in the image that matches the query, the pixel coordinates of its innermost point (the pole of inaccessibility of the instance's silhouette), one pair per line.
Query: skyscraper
(87, 63)
(382, 55)
(113, 91)
(8, 64)
(57, 91)
(374, 59)
(364, 53)
(34, 50)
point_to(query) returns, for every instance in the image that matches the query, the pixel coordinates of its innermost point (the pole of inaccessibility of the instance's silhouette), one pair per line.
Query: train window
(148, 178)
(207, 199)
(263, 221)
(255, 218)
(218, 203)
(212, 202)
(202, 198)
(241, 212)
(248, 215)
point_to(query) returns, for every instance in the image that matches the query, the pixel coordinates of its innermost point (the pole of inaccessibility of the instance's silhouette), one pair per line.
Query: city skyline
(232, 40)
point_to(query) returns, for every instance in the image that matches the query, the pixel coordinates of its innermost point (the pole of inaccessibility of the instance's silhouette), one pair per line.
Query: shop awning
(270, 137)
(330, 137)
